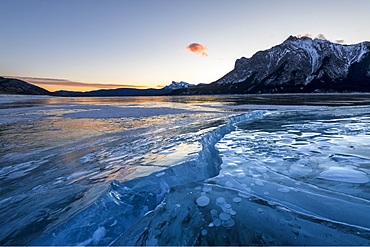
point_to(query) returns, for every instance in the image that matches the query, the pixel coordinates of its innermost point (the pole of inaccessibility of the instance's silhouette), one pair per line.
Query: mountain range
(16, 86)
(298, 65)
(129, 91)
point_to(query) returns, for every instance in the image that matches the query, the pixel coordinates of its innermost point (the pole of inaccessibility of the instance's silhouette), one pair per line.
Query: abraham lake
(185, 170)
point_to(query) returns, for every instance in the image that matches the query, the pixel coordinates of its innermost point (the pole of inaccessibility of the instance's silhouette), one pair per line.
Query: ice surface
(119, 112)
(11, 98)
(345, 174)
(297, 189)
(66, 161)
(292, 176)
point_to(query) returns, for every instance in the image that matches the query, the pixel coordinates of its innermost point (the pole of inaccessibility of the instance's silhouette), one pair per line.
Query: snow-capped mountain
(177, 85)
(297, 65)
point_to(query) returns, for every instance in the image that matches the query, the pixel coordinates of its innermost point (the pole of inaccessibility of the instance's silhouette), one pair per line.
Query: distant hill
(298, 65)
(128, 91)
(115, 92)
(15, 86)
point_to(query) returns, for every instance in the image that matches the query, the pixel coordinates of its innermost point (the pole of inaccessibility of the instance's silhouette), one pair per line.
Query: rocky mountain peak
(298, 65)
(177, 85)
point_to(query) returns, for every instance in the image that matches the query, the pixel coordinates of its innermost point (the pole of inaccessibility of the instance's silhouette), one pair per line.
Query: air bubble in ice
(224, 216)
(237, 199)
(229, 184)
(220, 200)
(207, 188)
(204, 232)
(214, 212)
(245, 195)
(285, 190)
(217, 222)
(203, 201)
(227, 210)
(260, 183)
(160, 174)
(259, 210)
(228, 223)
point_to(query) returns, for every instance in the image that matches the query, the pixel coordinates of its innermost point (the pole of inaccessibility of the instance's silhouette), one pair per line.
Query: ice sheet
(291, 176)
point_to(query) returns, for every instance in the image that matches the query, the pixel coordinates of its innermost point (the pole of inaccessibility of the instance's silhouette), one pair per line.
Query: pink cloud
(198, 49)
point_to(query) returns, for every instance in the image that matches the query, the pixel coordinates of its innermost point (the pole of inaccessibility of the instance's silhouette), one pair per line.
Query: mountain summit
(177, 85)
(298, 65)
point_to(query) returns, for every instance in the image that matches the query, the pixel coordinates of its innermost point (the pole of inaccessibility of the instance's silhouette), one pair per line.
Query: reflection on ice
(187, 176)
(63, 160)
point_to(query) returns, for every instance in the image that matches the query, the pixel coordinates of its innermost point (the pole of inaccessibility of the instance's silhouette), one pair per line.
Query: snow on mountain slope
(177, 85)
(298, 65)
(299, 53)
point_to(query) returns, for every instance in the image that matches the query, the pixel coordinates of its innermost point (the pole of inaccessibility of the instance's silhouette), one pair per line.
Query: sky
(84, 45)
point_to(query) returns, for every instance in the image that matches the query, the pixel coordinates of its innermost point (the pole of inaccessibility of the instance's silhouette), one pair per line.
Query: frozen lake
(185, 170)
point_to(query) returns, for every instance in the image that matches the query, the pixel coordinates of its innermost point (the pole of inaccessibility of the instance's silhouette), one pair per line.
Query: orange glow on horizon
(53, 88)
(53, 85)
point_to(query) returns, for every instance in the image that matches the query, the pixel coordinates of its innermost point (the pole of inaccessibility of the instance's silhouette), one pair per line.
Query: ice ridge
(114, 210)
